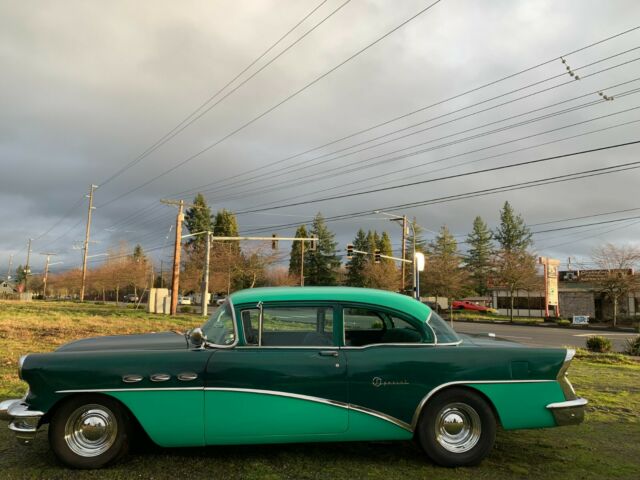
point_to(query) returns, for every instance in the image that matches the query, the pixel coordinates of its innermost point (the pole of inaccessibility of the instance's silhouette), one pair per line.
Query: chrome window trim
(305, 347)
(235, 328)
(412, 344)
(435, 337)
(433, 391)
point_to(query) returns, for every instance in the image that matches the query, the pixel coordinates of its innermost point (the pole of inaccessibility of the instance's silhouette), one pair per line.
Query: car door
(387, 353)
(285, 382)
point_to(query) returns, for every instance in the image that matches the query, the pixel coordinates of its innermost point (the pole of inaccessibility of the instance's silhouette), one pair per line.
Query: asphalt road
(543, 336)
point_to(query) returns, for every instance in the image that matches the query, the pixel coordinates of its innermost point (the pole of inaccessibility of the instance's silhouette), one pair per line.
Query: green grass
(606, 446)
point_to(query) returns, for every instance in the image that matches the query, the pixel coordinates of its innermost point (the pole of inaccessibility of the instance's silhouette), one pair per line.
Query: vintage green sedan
(279, 365)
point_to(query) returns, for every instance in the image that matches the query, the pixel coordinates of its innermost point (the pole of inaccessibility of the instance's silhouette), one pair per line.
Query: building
(7, 288)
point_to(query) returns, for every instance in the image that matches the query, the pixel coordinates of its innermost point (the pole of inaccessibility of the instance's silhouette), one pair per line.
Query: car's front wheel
(457, 428)
(89, 432)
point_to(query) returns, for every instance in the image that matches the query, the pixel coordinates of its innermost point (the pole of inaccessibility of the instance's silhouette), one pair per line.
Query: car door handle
(328, 353)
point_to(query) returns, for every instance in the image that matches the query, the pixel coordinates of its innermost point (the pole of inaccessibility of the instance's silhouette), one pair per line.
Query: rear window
(444, 333)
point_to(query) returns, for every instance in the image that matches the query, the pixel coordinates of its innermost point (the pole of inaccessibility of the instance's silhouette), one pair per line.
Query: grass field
(607, 445)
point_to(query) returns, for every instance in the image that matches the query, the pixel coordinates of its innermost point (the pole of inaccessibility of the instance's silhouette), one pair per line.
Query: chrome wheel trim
(90, 430)
(458, 427)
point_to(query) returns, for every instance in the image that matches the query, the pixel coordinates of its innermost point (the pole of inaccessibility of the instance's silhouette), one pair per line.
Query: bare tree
(617, 279)
(515, 270)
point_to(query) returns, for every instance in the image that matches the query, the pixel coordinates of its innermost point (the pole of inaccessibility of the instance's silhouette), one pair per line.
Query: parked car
(468, 305)
(184, 300)
(131, 298)
(281, 365)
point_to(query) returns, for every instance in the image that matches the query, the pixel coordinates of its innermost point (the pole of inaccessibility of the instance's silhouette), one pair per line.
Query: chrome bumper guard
(570, 412)
(24, 422)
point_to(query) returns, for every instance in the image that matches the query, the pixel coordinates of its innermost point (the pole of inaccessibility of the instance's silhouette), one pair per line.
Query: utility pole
(404, 252)
(86, 242)
(161, 274)
(177, 248)
(46, 274)
(302, 263)
(205, 278)
(10, 265)
(26, 268)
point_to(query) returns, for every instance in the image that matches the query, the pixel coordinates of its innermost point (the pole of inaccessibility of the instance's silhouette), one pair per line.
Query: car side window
(367, 327)
(289, 326)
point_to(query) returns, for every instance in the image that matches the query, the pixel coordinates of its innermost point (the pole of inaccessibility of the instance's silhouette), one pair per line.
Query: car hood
(149, 341)
(486, 340)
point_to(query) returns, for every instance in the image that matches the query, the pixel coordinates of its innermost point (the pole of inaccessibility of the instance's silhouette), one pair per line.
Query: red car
(468, 305)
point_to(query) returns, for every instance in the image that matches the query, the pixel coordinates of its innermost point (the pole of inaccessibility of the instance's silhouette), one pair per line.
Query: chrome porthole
(458, 427)
(90, 430)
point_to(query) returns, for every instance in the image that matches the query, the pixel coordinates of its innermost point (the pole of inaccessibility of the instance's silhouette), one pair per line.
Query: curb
(548, 325)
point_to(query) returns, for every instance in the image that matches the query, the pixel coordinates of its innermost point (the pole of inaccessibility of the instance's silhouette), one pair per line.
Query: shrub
(632, 346)
(598, 344)
(564, 322)
(187, 309)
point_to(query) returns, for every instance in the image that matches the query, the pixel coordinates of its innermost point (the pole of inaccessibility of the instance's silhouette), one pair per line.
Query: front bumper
(24, 422)
(570, 412)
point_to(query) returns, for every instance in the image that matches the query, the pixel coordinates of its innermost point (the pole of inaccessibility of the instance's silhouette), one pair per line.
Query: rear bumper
(570, 412)
(24, 422)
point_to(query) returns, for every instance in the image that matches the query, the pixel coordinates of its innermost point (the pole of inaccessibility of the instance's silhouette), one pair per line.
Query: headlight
(20, 364)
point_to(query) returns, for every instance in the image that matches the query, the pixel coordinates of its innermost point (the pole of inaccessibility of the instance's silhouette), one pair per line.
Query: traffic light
(349, 251)
(376, 256)
(274, 242)
(313, 245)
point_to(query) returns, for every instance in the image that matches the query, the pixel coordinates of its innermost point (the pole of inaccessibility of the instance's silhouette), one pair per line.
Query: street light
(395, 217)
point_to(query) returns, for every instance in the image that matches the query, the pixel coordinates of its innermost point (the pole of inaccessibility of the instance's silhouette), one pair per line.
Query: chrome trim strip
(160, 377)
(158, 389)
(132, 378)
(306, 347)
(413, 344)
(578, 402)
(382, 416)
(418, 411)
(335, 403)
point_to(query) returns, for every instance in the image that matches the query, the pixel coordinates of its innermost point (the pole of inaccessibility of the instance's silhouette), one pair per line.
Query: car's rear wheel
(457, 428)
(89, 432)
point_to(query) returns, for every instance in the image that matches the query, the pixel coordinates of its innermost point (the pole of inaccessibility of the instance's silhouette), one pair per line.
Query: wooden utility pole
(26, 268)
(177, 249)
(86, 242)
(404, 252)
(46, 274)
(302, 263)
(205, 277)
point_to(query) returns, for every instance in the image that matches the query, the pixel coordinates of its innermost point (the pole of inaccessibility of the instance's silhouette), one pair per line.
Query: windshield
(220, 329)
(444, 333)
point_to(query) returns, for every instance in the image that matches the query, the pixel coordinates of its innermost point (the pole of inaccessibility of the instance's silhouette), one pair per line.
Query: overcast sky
(86, 87)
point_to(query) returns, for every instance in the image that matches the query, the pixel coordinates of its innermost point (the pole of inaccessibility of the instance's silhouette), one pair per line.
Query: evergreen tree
(443, 275)
(478, 258)
(198, 219)
(138, 253)
(512, 234)
(371, 242)
(421, 243)
(296, 251)
(321, 265)
(226, 225)
(356, 266)
(385, 247)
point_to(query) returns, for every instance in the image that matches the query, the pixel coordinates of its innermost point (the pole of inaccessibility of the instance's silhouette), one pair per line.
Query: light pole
(395, 217)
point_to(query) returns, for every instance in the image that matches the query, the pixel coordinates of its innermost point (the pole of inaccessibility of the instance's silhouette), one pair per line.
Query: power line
(427, 107)
(197, 113)
(310, 162)
(274, 107)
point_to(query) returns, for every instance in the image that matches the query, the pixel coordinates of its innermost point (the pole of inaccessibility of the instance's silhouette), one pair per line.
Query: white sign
(581, 319)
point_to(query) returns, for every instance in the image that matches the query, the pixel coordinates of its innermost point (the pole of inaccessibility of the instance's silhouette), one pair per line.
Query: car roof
(370, 296)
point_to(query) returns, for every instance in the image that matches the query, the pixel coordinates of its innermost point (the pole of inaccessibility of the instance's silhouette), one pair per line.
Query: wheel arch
(137, 427)
(445, 388)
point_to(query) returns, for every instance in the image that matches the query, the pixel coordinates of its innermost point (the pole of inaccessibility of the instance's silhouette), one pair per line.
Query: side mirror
(197, 337)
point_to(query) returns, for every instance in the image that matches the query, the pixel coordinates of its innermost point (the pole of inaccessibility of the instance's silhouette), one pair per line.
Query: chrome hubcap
(90, 430)
(458, 427)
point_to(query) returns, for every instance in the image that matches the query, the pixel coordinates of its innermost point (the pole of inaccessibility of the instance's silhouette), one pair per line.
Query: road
(543, 336)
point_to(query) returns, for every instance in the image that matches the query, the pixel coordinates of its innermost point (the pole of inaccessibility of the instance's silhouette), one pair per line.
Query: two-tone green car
(280, 365)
